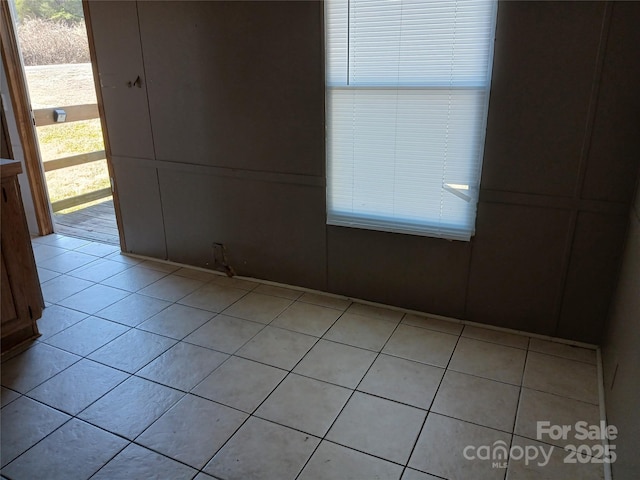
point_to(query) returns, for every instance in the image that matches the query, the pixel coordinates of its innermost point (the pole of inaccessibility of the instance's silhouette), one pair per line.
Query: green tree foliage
(68, 11)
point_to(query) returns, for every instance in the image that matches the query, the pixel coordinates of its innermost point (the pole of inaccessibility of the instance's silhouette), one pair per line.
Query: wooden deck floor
(96, 222)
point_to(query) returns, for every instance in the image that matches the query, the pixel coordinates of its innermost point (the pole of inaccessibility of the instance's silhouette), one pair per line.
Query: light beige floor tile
(60, 241)
(496, 336)
(194, 273)
(132, 350)
(335, 462)
(454, 328)
(240, 383)
(87, 335)
(94, 298)
(136, 462)
(75, 388)
(336, 363)
(555, 469)
(134, 278)
(403, 381)
(171, 288)
(358, 331)
(212, 297)
(262, 450)
(32, 367)
(277, 347)
(375, 312)
(275, 291)
(477, 400)
(24, 422)
(307, 318)
(42, 239)
(67, 261)
(62, 287)
(176, 321)
(98, 270)
(441, 449)
(45, 275)
(133, 310)
(123, 258)
(488, 360)
(257, 307)
(537, 407)
(410, 474)
(234, 282)
(193, 430)
(561, 376)
(377, 426)
(304, 404)
(204, 476)
(159, 266)
(73, 452)
(325, 300)
(97, 249)
(7, 396)
(421, 345)
(561, 350)
(55, 319)
(43, 252)
(131, 407)
(225, 334)
(183, 366)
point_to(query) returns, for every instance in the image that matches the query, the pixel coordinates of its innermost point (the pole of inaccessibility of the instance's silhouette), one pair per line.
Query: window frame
(467, 192)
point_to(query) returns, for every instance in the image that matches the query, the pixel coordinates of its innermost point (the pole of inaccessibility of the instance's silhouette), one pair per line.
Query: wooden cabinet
(22, 301)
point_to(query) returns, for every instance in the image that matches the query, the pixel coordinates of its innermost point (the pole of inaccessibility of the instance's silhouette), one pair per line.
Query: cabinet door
(8, 312)
(22, 301)
(116, 39)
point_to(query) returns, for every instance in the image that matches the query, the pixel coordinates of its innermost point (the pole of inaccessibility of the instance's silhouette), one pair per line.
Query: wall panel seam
(553, 201)
(593, 100)
(582, 166)
(239, 173)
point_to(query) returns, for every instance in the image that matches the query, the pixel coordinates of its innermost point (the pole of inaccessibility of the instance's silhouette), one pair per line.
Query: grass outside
(58, 86)
(66, 139)
(59, 74)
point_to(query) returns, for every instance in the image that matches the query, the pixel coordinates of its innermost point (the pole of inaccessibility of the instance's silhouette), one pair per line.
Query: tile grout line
(353, 391)
(415, 444)
(378, 354)
(375, 304)
(234, 354)
(252, 414)
(515, 418)
(184, 394)
(291, 372)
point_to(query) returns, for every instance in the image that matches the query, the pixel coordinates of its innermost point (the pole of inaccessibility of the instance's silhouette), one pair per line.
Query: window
(407, 96)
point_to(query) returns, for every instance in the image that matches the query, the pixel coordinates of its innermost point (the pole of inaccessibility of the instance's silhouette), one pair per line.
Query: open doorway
(52, 38)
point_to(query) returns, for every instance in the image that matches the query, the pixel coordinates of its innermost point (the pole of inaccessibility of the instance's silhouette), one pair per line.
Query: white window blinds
(407, 93)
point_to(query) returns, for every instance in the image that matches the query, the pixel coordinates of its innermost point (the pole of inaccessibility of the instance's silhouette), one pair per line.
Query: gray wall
(621, 356)
(224, 142)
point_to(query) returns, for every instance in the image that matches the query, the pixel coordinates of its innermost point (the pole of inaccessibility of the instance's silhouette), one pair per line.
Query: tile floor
(147, 370)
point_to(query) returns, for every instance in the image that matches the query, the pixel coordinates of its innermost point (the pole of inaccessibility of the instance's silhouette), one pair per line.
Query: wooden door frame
(103, 123)
(19, 93)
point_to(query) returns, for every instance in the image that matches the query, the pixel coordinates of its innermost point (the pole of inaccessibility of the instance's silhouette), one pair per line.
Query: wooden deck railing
(74, 113)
